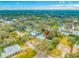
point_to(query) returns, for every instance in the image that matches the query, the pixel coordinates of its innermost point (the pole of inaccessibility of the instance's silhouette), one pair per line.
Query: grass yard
(28, 53)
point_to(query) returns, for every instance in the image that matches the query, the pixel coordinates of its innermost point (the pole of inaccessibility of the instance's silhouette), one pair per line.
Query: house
(20, 33)
(40, 37)
(11, 50)
(34, 33)
(14, 19)
(37, 34)
(77, 46)
(76, 32)
(8, 22)
(65, 33)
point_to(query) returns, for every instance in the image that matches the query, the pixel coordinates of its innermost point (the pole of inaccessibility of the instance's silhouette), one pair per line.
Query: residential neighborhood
(39, 33)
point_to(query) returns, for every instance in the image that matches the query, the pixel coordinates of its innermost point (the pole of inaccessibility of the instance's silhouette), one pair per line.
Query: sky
(38, 5)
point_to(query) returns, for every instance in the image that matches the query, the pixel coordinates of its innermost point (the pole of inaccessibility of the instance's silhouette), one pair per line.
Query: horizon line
(39, 9)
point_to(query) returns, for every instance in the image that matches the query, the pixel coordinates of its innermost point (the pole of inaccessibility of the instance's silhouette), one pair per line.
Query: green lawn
(28, 53)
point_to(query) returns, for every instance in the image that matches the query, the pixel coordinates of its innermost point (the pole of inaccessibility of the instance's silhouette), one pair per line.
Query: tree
(72, 44)
(55, 52)
(3, 34)
(8, 28)
(74, 55)
(74, 40)
(24, 38)
(54, 42)
(14, 35)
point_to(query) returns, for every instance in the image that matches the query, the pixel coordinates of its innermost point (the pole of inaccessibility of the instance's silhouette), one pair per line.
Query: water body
(57, 13)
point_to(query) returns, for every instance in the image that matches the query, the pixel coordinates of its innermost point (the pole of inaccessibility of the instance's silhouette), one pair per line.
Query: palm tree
(72, 42)
(75, 40)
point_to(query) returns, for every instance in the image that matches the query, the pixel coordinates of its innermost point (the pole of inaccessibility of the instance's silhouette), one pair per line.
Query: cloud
(59, 6)
(47, 7)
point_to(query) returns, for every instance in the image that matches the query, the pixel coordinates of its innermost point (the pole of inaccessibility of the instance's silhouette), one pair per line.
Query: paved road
(39, 54)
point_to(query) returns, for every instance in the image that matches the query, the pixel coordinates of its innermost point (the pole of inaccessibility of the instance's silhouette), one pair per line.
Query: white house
(40, 36)
(20, 33)
(11, 50)
(77, 46)
(34, 33)
(8, 22)
(76, 32)
(65, 33)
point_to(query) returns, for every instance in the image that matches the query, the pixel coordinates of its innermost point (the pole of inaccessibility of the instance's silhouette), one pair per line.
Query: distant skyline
(39, 5)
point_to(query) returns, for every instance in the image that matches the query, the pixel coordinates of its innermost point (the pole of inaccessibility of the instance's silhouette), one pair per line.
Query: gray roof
(11, 50)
